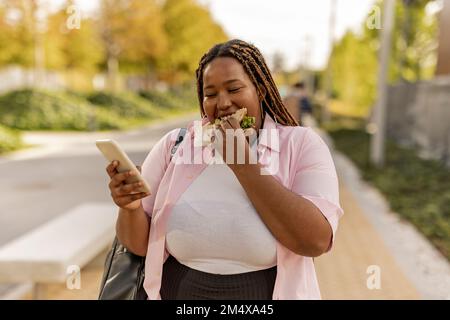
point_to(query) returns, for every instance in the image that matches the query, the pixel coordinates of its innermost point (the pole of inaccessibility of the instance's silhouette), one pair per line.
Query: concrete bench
(44, 255)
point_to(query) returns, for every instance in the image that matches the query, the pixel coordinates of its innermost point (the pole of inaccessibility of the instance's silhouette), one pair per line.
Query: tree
(132, 34)
(191, 31)
(18, 32)
(72, 48)
(353, 64)
(145, 41)
(354, 59)
(278, 68)
(414, 41)
(278, 62)
(6, 34)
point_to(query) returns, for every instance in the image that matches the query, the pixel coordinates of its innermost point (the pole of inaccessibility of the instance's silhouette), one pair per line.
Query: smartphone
(112, 151)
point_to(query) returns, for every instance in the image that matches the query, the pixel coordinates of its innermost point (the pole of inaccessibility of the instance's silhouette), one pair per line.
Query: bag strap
(180, 138)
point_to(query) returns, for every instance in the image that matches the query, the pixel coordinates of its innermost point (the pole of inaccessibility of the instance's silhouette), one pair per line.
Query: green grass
(31, 109)
(44, 110)
(417, 189)
(9, 139)
(126, 105)
(164, 100)
(34, 109)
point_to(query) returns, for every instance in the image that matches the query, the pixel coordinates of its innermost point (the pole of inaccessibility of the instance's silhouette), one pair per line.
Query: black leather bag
(124, 273)
(123, 278)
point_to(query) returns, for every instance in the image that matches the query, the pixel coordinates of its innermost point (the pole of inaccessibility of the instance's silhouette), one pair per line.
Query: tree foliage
(68, 48)
(17, 32)
(132, 31)
(354, 59)
(163, 38)
(191, 31)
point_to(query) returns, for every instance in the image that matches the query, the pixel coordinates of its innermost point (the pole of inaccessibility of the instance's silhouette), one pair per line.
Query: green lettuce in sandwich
(247, 124)
(245, 121)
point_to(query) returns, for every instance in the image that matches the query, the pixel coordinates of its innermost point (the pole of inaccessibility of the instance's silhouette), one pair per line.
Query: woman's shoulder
(171, 136)
(297, 133)
(166, 141)
(160, 152)
(300, 136)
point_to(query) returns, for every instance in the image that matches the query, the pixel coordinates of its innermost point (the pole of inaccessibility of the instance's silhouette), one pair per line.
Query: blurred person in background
(292, 102)
(299, 104)
(304, 105)
(228, 231)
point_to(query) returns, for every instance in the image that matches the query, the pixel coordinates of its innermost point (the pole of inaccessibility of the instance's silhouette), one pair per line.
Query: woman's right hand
(125, 195)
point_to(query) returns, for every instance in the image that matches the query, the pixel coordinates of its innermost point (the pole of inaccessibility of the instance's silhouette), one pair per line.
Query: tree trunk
(113, 70)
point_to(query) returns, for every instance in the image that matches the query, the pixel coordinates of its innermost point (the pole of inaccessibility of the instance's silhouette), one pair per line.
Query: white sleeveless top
(214, 227)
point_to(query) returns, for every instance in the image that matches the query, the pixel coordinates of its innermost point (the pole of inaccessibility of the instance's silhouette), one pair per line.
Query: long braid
(255, 66)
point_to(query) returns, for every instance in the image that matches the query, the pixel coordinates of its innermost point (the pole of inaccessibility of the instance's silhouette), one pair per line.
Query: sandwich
(247, 123)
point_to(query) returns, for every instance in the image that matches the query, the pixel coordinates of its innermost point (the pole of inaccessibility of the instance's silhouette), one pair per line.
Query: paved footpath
(371, 239)
(342, 273)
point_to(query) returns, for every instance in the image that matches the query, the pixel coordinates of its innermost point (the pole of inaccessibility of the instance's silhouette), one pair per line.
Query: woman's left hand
(235, 140)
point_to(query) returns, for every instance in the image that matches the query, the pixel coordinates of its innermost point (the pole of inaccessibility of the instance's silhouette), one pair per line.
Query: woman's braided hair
(255, 66)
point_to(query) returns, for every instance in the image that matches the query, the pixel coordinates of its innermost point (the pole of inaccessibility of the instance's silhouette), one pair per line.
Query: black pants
(180, 282)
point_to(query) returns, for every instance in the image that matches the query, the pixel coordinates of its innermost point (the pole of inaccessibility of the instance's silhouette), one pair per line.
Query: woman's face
(227, 88)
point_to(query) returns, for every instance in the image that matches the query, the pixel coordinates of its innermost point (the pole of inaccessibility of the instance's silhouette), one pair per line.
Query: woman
(235, 230)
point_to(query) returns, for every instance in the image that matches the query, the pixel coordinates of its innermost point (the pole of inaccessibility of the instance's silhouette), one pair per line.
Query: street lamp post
(377, 153)
(305, 68)
(443, 61)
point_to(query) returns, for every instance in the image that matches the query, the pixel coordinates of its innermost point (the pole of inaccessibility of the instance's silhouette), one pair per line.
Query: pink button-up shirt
(295, 156)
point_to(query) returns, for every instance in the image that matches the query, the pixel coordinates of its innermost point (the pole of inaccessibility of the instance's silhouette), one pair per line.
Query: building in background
(443, 62)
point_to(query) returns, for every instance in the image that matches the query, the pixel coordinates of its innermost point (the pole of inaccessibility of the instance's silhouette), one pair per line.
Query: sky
(298, 29)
